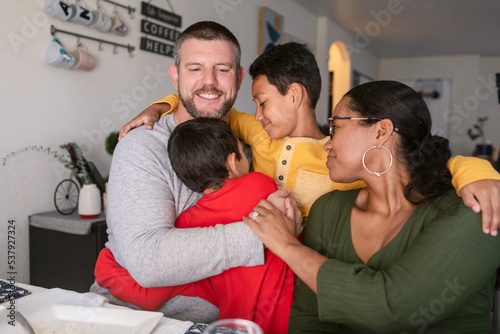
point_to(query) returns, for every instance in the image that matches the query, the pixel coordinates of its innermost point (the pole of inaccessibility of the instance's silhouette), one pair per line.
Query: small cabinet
(64, 250)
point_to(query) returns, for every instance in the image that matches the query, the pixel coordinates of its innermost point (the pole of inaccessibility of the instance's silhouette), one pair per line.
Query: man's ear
(174, 76)
(385, 129)
(241, 75)
(231, 166)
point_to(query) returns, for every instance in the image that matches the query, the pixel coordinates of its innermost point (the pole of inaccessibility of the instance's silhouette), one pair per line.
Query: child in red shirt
(263, 294)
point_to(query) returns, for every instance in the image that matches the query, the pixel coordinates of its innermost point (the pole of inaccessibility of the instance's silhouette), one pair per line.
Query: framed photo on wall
(270, 29)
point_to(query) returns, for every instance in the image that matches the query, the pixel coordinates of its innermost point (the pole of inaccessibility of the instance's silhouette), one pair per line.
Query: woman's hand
(148, 116)
(484, 196)
(276, 230)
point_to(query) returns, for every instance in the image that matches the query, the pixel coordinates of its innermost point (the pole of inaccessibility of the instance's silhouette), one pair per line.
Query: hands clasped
(275, 228)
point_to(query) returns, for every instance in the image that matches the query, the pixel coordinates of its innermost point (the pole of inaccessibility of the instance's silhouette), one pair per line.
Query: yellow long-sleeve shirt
(299, 164)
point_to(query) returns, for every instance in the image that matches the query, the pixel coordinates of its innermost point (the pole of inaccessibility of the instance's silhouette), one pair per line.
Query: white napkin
(29, 304)
(32, 303)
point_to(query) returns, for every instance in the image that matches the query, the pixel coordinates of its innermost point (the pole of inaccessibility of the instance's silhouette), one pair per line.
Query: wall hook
(130, 9)
(130, 48)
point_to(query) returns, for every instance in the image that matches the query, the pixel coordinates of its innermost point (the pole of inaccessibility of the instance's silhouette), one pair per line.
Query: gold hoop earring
(377, 173)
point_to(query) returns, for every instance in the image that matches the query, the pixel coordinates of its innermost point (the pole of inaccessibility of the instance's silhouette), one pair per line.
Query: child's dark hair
(198, 150)
(425, 155)
(288, 63)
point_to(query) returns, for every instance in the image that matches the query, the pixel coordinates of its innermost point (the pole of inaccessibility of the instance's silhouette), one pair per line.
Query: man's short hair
(198, 150)
(208, 31)
(289, 63)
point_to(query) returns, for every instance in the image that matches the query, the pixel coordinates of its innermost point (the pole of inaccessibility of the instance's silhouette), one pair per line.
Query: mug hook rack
(130, 48)
(130, 10)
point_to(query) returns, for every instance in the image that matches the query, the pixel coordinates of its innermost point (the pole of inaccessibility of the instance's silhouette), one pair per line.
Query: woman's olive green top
(436, 276)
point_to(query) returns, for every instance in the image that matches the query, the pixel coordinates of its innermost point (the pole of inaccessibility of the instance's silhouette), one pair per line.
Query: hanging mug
(55, 54)
(101, 21)
(59, 9)
(118, 26)
(81, 15)
(83, 60)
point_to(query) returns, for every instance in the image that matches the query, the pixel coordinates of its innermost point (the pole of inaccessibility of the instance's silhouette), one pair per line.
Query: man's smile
(209, 96)
(209, 93)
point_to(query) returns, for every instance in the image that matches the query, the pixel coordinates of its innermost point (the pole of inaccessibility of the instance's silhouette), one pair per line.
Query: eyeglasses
(333, 127)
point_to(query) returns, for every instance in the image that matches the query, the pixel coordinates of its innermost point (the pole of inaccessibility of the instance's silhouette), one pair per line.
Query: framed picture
(270, 29)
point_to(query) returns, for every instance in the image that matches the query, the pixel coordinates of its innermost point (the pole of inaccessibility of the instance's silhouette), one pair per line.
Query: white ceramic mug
(101, 21)
(118, 26)
(83, 60)
(55, 54)
(59, 9)
(81, 15)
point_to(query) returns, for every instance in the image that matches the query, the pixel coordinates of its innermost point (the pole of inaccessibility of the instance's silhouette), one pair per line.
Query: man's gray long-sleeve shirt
(144, 199)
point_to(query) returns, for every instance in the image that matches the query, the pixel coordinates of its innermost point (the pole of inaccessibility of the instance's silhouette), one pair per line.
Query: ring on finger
(254, 215)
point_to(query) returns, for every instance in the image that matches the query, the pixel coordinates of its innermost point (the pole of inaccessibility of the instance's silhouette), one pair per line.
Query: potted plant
(111, 142)
(78, 164)
(483, 149)
(89, 201)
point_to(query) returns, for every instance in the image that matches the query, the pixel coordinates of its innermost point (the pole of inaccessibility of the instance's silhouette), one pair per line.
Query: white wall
(47, 106)
(473, 90)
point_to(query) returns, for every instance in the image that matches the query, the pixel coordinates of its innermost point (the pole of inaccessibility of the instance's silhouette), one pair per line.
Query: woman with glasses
(402, 254)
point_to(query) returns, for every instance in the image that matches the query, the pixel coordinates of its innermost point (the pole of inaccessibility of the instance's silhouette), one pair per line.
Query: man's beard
(190, 106)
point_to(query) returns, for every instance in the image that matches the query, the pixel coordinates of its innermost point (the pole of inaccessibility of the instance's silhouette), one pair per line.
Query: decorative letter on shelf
(159, 31)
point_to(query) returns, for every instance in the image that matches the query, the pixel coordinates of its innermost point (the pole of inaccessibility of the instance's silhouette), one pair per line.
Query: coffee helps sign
(157, 30)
